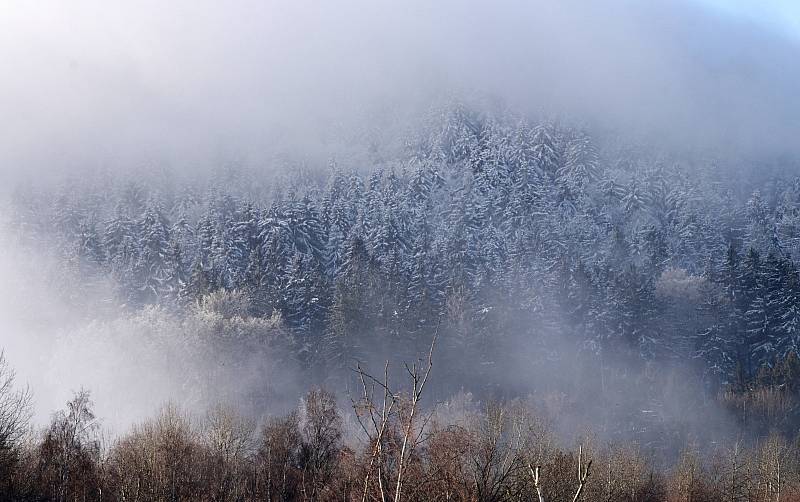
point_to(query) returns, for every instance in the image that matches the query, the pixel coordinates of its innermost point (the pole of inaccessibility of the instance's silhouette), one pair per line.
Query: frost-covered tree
(492, 226)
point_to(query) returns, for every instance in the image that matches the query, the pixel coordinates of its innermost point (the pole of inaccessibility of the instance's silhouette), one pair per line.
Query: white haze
(185, 85)
(60, 341)
(53, 349)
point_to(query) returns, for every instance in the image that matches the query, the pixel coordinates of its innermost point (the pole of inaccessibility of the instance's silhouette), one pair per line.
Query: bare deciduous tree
(278, 459)
(15, 412)
(228, 439)
(69, 454)
(321, 427)
(583, 474)
(775, 462)
(377, 419)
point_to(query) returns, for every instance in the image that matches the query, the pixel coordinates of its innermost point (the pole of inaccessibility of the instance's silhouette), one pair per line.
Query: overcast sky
(183, 83)
(781, 16)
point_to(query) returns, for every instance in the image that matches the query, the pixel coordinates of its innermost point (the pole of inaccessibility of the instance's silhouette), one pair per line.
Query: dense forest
(579, 289)
(500, 229)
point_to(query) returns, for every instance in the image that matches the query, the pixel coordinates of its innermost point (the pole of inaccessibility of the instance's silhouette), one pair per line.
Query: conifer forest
(246, 264)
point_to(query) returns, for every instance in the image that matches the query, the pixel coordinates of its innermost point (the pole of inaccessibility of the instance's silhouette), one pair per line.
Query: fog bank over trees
(197, 84)
(541, 253)
(359, 251)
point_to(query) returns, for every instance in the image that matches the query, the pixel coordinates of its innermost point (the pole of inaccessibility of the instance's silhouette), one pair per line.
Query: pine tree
(90, 246)
(118, 238)
(155, 269)
(198, 285)
(581, 165)
(761, 233)
(241, 239)
(352, 313)
(306, 306)
(546, 150)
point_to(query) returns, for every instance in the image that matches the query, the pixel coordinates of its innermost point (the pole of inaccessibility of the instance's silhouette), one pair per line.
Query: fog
(63, 332)
(61, 340)
(89, 84)
(191, 85)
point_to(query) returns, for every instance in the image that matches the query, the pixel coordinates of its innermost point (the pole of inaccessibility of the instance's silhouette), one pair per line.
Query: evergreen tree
(155, 269)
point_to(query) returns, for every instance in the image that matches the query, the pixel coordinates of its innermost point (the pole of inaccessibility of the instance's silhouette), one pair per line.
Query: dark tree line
(462, 452)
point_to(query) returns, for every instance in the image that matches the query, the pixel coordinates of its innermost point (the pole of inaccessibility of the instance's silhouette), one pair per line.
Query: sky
(119, 85)
(782, 16)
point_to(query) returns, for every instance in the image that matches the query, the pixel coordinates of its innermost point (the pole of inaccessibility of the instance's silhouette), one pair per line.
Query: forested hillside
(501, 232)
(417, 251)
(580, 289)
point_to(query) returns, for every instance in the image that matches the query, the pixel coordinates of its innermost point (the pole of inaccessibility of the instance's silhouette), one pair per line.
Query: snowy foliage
(493, 228)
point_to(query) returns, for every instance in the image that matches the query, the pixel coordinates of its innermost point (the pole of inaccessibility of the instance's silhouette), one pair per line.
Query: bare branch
(582, 474)
(536, 485)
